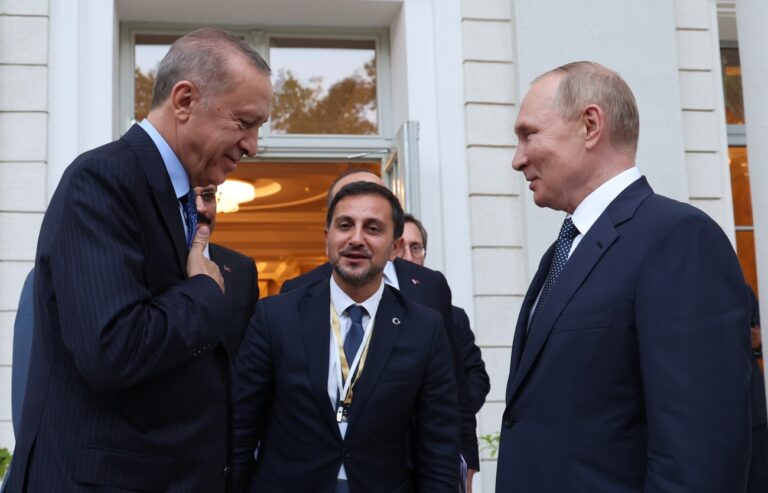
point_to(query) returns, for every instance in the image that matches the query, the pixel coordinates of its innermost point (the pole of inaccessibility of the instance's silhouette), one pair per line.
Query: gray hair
(586, 83)
(202, 57)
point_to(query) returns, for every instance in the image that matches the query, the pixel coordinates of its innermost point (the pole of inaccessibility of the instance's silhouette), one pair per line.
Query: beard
(360, 277)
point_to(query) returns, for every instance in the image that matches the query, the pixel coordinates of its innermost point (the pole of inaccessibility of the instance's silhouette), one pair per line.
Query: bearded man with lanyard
(331, 375)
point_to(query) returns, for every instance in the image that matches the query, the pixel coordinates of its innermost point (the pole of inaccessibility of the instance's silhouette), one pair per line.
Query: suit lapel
(521, 329)
(162, 189)
(386, 329)
(600, 237)
(409, 283)
(315, 328)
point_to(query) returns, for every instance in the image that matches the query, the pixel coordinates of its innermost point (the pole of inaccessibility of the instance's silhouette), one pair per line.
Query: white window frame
(281, 147)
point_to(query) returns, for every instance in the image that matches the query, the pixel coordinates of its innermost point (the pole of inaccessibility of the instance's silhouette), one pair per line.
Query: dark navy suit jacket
(429, 288)
(478, 383)
(129, 375)
(635, 374)
(282, 401)
(241, 283)
(22, 347)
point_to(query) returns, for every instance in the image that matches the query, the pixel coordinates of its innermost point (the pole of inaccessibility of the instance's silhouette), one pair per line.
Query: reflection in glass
(742, 213)
(323, 86)
(734, 99)
(742, 199)
(149, 50)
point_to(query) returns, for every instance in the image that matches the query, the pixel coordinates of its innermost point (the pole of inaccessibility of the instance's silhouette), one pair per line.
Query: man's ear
(397, 248)
(325, 237)
(593, 121)
(183, 95)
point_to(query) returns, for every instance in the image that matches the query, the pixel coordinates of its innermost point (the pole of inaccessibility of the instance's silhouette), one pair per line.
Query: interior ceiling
(357, 13)
(283, 232)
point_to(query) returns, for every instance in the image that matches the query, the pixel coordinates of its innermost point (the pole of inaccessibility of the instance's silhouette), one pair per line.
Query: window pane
(324, 86)
(149, 50)
(734, 100)
(742, 199)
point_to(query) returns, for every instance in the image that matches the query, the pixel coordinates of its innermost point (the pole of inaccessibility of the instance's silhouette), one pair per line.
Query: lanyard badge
(347, 374)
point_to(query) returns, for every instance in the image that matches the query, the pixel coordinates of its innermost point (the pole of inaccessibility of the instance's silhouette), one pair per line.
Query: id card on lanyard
(346, 374)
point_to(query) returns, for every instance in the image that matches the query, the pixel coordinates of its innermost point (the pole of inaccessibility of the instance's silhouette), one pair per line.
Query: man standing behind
(425, 286)
(331, 374)
(241, 280)
(630, 363)
(478, 384)
(129, 375)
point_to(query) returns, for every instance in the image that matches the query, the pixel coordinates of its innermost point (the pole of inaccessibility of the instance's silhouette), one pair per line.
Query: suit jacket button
(345, 453)
(225, 472)
(509, 421)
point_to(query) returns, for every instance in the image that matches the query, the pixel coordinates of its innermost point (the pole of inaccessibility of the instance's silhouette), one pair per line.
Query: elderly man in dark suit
(425, 286)
(241, 280)
(630, 362)
(128, 384)
(331, 375)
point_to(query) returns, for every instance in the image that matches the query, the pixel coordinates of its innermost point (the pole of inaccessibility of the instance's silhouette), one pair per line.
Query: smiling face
(359, 242)
(550, 150)
(215, 131)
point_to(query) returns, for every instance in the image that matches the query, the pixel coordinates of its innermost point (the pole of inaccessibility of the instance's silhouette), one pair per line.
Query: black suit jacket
(241, 289)
(282, 401)
(478, 383)
(128, 379)
(429, 288)
(635, 373)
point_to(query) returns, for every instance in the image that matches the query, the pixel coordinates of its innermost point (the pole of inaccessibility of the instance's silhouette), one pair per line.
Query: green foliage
(346, 108)
(5, 461)
(491, 443)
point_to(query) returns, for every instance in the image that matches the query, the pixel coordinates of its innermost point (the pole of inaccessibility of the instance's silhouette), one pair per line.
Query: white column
(81, 81)
(751, 19)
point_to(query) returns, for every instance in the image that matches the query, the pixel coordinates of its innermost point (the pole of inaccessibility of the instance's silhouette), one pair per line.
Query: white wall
(23, 137)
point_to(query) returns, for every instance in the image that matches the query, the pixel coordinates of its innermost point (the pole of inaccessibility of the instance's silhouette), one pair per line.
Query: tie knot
(355, 313)
(568, 231)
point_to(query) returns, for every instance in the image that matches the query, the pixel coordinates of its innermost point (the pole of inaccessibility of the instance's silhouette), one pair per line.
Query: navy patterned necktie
(190, 214)
(562, 247)
(355, 333)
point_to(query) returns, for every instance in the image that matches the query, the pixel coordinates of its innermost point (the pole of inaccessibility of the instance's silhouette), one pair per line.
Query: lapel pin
(396, 321)
(415, 281)
(226, 268)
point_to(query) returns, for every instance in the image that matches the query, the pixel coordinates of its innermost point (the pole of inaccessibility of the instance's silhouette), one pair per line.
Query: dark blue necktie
(190, 214)
(562, 247)
(355, 333)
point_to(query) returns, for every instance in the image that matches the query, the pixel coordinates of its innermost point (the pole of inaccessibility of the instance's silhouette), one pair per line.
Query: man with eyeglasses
(478, 384)
(241, 279)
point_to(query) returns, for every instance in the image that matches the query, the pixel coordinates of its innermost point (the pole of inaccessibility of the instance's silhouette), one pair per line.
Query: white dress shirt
(592, 207)
(594, 204)
(341, 301)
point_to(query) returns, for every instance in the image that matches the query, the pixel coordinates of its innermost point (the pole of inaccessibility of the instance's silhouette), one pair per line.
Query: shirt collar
(342, 301)
(390, 275)
(175, 169)
(597, 202)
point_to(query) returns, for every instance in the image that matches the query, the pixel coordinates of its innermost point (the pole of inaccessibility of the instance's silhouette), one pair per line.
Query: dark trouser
(758, 469)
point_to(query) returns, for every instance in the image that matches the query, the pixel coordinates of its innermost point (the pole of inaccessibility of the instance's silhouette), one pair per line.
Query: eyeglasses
(209, 196)
(417, 250)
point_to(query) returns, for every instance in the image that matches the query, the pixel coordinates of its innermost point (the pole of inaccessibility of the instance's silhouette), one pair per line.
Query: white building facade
(457, 67)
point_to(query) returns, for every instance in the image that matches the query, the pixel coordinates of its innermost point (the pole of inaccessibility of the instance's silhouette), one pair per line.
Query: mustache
(357, 251)
(203, 219)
